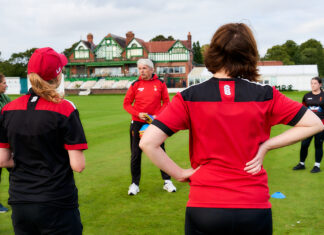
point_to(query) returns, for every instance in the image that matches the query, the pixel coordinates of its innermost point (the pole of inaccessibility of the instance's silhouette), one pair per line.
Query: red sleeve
(174, 117)
(74, 137)
(165, 98)
(128, 101)
(284, 110)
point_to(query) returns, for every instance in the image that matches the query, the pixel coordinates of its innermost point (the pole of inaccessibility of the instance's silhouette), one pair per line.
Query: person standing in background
(146, 93)
(4, 99)
(314, 101)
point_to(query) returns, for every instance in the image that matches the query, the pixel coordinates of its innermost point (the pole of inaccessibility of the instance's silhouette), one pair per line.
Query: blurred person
(229, 118)
(144, 97)
(45, 134)
(314, 101)
(4, 99)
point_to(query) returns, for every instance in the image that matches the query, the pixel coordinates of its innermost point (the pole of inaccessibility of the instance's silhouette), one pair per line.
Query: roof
(269, 62)
(200, 72)
(120, 40)
(310, 70)
(161, 46)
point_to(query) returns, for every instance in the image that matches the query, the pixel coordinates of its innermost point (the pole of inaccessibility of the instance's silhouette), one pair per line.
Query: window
(175, 70)
(133, 71)
(81, 53)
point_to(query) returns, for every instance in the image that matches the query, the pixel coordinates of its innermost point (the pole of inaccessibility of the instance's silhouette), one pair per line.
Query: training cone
(278, 195)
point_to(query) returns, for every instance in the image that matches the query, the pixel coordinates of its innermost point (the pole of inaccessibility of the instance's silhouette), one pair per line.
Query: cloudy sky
(25, 24)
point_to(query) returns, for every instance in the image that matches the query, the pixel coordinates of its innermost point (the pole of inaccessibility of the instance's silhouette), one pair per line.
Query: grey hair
(147, 62)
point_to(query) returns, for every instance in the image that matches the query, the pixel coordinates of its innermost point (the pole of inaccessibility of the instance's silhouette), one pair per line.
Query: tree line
(290, 53)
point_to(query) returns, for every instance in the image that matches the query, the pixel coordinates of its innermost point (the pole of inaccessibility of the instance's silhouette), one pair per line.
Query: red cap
(47, 63)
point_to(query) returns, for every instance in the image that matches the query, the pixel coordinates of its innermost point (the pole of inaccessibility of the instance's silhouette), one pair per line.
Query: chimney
(189, 40)
(129, 37)
(90, 38)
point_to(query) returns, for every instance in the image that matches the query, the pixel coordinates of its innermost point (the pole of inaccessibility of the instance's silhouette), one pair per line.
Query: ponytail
(45, 89)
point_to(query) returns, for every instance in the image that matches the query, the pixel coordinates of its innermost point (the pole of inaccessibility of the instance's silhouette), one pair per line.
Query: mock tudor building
(115, 57)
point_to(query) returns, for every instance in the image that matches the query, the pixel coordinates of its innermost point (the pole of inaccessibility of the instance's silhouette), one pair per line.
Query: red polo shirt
(228, 119)
(146, 96)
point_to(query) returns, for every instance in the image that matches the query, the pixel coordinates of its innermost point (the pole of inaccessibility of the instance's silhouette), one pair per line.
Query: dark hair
(317, 79)
(1, 77)
(234, 49)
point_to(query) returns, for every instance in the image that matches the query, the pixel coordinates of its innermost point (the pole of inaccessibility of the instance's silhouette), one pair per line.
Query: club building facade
(115, 57)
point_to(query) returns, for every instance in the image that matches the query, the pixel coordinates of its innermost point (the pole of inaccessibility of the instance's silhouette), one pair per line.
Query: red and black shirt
(39, 133)
(227, 120)
(147, 96)
(315, 103)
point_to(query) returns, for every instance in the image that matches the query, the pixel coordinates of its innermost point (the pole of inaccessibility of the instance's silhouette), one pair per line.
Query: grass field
(107, 209)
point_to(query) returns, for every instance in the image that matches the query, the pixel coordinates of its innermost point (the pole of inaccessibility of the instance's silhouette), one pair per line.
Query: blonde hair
(45, 89)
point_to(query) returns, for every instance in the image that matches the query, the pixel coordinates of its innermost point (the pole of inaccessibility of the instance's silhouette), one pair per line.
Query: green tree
(292, 50)
(162, 38)
(16, 65)
(203, 49)
(21, 58)
(311, 52)
(278, 53)
(197, 56)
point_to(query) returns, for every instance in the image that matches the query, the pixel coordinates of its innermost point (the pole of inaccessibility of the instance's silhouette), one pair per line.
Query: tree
(68, 51)
(280, 53)
(21, 57)
(203, 50)
(311, 52)
(292, 50)
(162, 38)
(16, 65)
(197, 56)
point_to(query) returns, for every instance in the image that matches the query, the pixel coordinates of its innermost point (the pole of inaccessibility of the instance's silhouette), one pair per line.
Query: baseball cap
(47, 63)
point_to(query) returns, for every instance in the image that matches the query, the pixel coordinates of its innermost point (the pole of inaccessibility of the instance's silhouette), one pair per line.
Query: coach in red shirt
(229, 118)
(144, 97)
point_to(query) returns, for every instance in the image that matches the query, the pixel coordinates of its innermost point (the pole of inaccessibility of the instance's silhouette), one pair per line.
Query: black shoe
(315, 169)
(299, 167)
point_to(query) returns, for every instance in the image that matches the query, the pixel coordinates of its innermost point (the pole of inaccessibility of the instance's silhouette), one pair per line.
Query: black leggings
(318, 147)
(228, 221)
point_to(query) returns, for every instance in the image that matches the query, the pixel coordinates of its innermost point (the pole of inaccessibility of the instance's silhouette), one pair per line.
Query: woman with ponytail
(42, 138)
(314, 101)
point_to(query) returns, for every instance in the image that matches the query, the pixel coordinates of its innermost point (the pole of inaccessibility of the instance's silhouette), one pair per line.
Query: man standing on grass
(4, 99)
(147, 93)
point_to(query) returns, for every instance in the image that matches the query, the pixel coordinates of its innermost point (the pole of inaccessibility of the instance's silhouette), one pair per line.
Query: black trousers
(40, 219)
(136, 153)
(228, 221)
(318, 147)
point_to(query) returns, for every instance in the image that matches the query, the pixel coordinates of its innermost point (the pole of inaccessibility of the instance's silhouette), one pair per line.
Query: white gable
(178, 44)
(134, 41)
(81, 46)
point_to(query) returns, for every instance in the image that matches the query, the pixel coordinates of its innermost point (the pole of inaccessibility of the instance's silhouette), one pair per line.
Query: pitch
(107, 209)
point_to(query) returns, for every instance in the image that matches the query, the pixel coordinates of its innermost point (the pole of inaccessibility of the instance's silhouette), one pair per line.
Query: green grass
(107, 209)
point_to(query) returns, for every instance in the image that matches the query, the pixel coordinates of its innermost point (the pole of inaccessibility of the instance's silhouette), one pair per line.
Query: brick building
(115, 57)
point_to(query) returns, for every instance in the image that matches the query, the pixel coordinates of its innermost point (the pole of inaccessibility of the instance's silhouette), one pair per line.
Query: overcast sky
(25, 24)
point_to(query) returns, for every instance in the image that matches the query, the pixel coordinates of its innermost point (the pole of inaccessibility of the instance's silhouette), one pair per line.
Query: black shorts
(228, 221)
(34, 219)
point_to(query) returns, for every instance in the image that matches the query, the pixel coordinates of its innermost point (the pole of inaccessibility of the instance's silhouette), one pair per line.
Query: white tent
(298, 76)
